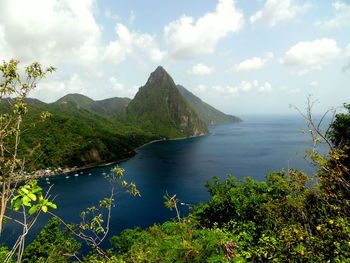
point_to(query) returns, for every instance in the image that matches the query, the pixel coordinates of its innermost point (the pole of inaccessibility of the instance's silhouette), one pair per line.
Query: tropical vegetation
(289, 217)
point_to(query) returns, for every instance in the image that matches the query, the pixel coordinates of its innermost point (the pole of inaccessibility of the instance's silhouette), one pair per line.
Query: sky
(242, 57)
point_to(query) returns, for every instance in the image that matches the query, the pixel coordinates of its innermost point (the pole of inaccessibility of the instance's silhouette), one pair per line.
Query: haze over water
(255, 147)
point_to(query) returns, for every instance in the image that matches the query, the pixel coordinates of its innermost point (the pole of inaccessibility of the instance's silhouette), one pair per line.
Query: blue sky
(242, 57)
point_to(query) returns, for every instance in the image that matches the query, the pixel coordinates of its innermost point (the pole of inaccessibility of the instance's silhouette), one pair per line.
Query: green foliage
(284, 219)
(74, 137)
(13, 85)
(279, 220)
(339, 131)
(51, 245)
(171, 242)
(109, 107)
(3, 253)
(29, 193)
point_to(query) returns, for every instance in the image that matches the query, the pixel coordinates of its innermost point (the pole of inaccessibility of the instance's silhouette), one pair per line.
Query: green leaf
(26, 201)
(53, 206)
(33, 209)
(24, 190)
(32, 196)
(44, 208)
(15, 205)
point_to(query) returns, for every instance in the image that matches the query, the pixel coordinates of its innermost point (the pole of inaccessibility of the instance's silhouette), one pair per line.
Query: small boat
(76, 175)
(103, 173)
(67, 176)
(89, 173)
(47, 179)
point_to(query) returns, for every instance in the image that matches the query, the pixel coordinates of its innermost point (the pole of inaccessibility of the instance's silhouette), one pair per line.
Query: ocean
(255, 147)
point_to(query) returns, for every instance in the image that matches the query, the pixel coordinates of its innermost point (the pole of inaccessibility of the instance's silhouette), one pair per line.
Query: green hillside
(205, 112)
(113, 106)
(158, 107)
(82, 102)
(74, 136)
(109, 107)
(82, 131)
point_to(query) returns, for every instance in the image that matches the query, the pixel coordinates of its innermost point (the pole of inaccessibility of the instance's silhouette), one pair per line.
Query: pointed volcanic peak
(159, 108)
(205, 112)
(160, 77)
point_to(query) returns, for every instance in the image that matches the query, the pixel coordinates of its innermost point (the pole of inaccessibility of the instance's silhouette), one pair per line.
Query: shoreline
(59, 171)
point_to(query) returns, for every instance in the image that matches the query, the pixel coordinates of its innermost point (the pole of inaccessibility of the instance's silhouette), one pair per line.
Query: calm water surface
(252, 148)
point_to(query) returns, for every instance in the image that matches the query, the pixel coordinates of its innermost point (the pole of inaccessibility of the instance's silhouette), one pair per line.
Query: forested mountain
(205, 112)
(111, 106)
(160, 108)
(73, 136)
(82, 131)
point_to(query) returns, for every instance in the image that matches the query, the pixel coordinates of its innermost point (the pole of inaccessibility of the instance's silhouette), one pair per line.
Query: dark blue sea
(255, 147)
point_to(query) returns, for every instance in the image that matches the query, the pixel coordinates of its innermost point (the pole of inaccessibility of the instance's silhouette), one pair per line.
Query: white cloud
(254, 63)
(275, 11)
(116, 86)
(294, 91)
(242, 88)
(189, 38)
(108, 14)
(66, 32)
(312, 53)
(53, 88)
(265, 88)
(49, 31)
(119, 90)
(200, 70)
(341, 19)
(132, 44)
(302, 72)
(314, 84)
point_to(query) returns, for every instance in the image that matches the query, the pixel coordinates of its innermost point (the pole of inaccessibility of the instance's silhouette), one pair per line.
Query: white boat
(76, 175)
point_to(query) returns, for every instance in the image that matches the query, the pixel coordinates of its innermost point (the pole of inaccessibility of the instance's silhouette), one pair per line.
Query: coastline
(59, 171)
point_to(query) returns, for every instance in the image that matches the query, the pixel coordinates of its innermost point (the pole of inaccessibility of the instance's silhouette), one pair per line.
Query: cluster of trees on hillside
(289, 217)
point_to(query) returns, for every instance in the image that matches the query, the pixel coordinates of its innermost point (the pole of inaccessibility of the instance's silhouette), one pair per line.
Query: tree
(51, 245)
(12, 85)
(14, 90)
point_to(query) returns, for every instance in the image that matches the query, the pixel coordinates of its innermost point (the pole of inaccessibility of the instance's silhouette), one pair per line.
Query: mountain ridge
(159, 107)
(84, 132)
(206, 112)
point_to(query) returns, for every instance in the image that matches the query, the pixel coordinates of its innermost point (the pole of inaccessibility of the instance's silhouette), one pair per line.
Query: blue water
(253, 148)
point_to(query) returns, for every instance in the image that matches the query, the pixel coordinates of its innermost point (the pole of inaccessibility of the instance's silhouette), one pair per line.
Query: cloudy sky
(243, 57)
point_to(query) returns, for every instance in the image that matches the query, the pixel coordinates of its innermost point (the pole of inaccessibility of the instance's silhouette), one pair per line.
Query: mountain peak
(160, 76)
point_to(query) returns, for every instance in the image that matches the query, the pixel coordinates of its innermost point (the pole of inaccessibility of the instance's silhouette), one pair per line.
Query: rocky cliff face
(160, 108)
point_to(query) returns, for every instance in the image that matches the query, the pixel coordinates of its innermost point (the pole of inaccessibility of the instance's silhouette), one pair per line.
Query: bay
(255, 147)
